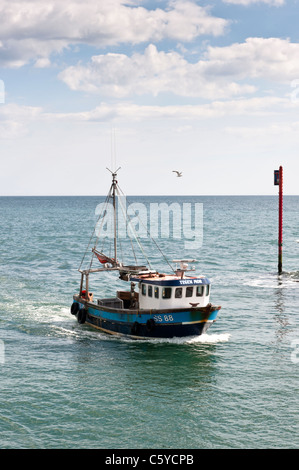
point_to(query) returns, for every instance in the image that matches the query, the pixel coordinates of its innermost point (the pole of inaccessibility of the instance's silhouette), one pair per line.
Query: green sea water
(65, 385)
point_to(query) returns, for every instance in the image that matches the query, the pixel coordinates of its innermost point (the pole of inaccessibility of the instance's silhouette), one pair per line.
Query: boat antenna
(114, 173)
(113, 148)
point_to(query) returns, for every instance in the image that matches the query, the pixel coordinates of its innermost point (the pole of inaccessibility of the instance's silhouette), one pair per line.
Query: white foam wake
(201, 339)
(210, 338)
(275, 281)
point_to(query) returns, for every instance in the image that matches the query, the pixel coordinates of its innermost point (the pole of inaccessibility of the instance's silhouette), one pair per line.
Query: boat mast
(113, 187)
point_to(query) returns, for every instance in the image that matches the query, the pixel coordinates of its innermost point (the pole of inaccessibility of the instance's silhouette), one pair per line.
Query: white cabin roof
(170, 279)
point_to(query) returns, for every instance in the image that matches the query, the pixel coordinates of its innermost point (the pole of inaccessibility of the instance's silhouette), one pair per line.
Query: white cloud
(11, 130)
(217, 75)
(33, 29)
(42, 63)
(2, 92)
(19, 112)
(15, 119)
(267, 58)
(275, 3)
(16, 53)
(275, 130)
(267, 106)
(152, 72)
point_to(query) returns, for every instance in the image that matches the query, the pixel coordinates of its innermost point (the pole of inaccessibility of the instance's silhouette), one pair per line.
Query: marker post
(278, 180)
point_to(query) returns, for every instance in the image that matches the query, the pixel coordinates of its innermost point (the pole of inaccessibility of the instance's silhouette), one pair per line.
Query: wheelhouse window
(207, 289)
(143, 289)
(150, 291)
(166, 293)
(178, 293)
(156, 292)
(199, 291)
(189, 291)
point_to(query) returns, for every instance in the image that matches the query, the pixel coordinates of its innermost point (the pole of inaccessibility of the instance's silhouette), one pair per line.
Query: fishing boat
(154, 305)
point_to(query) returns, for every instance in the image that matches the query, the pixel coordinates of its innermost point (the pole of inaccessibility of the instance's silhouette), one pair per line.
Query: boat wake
(294, 275)
(275, 281)
(202, 339)
(210, 338)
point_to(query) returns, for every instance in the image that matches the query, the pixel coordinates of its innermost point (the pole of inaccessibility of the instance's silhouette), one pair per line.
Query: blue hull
(146, 323)
(141, 330)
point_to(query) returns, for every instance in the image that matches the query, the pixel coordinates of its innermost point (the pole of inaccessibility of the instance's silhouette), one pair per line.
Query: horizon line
(146, 195)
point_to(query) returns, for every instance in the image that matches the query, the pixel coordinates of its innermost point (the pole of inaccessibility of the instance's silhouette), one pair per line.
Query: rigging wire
(149, 235)
(120, 193)
(135, 236)
(94, 231)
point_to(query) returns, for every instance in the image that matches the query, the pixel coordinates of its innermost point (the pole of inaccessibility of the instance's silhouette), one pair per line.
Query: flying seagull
(178, 173)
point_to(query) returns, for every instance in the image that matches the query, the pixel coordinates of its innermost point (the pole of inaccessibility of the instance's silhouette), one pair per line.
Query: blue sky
(207, 88)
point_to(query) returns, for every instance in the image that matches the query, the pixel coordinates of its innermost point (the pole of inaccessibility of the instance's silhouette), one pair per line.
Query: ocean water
(65, 385)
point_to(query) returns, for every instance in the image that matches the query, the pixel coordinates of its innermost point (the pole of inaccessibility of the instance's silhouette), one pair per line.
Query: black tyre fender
(81, 316)
(74, 308)
(135, 328)
(150, 324)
